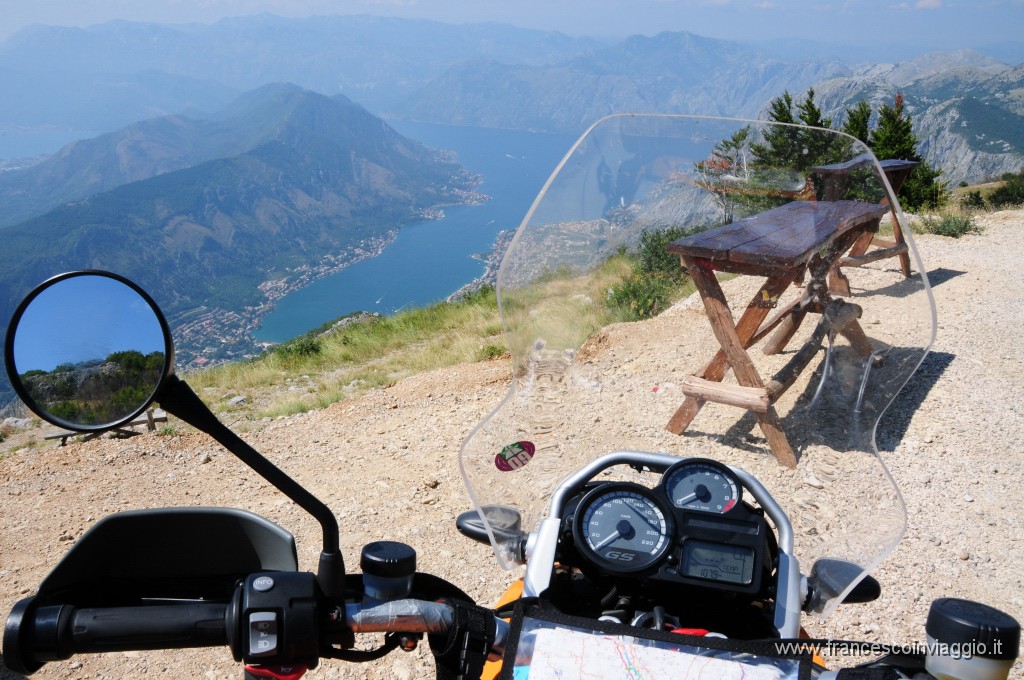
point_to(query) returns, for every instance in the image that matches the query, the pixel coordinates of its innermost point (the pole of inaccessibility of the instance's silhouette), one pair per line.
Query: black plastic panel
(185, 553)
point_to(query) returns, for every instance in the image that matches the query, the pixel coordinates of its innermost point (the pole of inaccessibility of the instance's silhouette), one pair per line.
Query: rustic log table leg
(821, 268)
(768, 326)
(837, 281)
(858, 340)
(897, 176)
(786, 330)
(897, 235)
(734, 352)
(749, 322)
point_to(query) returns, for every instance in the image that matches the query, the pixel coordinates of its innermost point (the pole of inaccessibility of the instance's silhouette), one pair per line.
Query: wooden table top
(781, 238)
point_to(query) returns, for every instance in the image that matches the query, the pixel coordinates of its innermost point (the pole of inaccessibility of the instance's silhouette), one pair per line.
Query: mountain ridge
(672, 72)
(489, 75)
(687, 74)
(139, 151)
(967, 117)
(327, 182)
(370, 59)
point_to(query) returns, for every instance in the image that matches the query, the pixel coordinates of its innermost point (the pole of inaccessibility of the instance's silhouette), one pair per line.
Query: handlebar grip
(174, 626)
(56, 632)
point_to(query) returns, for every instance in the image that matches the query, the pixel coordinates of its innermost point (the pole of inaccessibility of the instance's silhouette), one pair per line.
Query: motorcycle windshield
(779, 334)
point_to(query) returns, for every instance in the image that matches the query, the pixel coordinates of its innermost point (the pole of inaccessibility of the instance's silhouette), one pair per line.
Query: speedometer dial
(622, 527)
(703, 485)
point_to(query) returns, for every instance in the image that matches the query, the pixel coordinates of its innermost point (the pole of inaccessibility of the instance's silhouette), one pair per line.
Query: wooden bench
(836, 179)
(150, 418)
(781, 245)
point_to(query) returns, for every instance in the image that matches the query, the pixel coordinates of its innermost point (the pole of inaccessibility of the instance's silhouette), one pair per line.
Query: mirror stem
(178, 399)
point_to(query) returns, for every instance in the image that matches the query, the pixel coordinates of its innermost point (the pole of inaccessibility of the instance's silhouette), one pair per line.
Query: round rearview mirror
(88, 351)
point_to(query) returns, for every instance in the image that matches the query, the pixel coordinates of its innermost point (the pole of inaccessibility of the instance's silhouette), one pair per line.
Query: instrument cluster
(692, 528)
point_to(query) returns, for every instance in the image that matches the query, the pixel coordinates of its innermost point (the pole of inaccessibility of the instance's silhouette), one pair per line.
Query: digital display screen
(718, 562)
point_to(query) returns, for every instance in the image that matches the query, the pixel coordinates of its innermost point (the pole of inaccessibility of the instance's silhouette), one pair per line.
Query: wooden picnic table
(782, 245)
(150, 418)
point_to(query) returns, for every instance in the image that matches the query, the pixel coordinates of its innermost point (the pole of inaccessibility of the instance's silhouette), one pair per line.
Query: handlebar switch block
(263, 633)
(277, 619)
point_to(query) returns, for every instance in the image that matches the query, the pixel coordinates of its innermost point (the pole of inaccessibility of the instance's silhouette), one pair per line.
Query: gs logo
(619, 556)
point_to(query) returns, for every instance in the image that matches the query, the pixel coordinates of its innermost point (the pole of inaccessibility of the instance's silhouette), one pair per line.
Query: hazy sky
(932, 24)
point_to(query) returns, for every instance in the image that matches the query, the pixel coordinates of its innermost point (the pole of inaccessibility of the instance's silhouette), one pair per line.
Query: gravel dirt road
(386, 464)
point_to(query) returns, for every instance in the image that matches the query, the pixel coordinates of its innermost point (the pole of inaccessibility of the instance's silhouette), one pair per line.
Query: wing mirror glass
(88, 351)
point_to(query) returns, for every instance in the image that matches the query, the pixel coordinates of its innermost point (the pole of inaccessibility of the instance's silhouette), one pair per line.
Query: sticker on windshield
(514, 456)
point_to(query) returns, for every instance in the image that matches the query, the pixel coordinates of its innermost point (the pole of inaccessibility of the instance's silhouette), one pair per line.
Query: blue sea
(430, 260)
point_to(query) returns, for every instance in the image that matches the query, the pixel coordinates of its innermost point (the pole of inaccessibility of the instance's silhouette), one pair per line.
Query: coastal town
(207, 336)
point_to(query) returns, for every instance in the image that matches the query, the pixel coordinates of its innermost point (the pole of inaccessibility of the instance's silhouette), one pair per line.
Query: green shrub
(484, 296)
(306, 346)
(972, 200)
(1011, 193)
(951, 225)
(653, 256)
(641, 296)
(489, 352)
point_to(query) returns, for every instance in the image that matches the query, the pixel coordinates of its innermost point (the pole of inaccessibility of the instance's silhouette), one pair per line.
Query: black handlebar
(273, 618)
(462, 635)
(35, 635)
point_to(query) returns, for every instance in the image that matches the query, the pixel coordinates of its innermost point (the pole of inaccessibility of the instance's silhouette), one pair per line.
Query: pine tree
(894, 138)
(810, 114)
(858, 121)
(781, 142)
(894, 135)
(792, 147)
(817, 148)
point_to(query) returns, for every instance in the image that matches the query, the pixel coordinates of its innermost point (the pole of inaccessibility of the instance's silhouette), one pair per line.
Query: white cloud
(928, 4)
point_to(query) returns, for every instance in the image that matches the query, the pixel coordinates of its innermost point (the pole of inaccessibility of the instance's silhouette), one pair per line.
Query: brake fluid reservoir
(388, 570)
(970, 641)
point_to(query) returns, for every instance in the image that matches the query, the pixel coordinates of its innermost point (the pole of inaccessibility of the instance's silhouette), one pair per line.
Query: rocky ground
(386, 463)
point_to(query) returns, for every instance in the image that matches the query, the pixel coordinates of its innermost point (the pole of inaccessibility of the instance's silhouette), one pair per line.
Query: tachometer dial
(622, 527)
(703, 485)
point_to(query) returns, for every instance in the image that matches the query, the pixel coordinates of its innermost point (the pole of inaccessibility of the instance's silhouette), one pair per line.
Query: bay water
(430, 260)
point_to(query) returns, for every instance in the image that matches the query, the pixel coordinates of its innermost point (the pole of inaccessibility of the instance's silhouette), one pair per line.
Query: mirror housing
(505, 522)
(829, 577)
